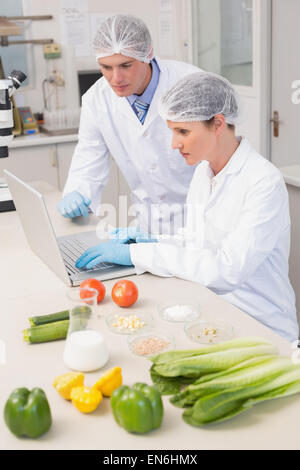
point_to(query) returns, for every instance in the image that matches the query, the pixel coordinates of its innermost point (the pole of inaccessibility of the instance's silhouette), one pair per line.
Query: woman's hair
(209, 123)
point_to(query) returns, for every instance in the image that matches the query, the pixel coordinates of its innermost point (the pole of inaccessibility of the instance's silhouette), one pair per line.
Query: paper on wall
(95, 21)
(165, 5)
(166, 34)
(75, 30)
(78, 5)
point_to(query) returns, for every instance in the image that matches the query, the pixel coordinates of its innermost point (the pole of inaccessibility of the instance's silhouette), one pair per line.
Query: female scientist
(236, 239)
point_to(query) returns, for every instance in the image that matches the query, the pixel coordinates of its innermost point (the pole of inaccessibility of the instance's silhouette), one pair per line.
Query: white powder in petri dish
(179, 313)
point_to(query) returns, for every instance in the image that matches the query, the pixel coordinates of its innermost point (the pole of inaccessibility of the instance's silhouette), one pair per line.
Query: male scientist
(119, 117)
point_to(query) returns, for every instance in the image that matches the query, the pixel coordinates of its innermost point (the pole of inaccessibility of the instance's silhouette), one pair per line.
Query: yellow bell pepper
(64, 383)
(109, 382)
(86, 399)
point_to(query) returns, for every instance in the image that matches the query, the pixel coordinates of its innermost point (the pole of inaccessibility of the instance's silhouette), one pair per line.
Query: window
(223, 38)
(14, 56)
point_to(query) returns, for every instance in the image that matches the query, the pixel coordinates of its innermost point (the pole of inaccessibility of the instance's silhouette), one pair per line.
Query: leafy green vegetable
(221, 406)
(237, 343)
(167, 385)
(197, 365)
(253, 372)
(224, 379)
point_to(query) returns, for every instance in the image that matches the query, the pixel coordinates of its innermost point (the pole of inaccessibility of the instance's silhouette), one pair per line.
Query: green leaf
(229, 409)
(237, 343)
(164, 385)
(254, 373)
(224, 405)
(238, 367)
(195, 366)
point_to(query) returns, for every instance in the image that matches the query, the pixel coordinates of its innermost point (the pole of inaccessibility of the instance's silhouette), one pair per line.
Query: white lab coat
(155, 173)
(236, 240)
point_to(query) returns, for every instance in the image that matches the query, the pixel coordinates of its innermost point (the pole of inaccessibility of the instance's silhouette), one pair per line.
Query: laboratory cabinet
(32, 163)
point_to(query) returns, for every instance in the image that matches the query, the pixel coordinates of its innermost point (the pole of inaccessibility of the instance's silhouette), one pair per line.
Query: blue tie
(141, 109)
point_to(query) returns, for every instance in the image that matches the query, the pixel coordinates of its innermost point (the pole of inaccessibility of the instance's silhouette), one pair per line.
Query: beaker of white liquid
(85, 348)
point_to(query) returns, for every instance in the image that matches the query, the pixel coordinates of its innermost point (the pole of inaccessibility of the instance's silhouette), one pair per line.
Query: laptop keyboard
(71, 250)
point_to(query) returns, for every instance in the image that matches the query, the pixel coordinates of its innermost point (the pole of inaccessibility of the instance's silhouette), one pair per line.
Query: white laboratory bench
(291, 175)
(41, 139)
(30, 288)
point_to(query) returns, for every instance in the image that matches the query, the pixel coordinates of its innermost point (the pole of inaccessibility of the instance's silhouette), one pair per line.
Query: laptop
(58, 253)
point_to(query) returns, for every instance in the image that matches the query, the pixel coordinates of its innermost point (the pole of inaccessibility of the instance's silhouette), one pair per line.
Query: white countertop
(291, 175)
(28, 288)
(41, 139)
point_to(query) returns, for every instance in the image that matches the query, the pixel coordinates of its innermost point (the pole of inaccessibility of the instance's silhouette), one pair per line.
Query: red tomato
(124, 293)
(92, 284)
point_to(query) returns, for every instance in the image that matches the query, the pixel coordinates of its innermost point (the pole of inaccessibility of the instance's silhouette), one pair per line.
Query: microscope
(7, 89)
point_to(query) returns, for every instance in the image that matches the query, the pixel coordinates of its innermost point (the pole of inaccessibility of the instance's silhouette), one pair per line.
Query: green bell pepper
(27, 413)
(138, 409)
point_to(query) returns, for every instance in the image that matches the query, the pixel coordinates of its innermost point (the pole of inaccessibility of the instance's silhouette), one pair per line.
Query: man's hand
(74, 205)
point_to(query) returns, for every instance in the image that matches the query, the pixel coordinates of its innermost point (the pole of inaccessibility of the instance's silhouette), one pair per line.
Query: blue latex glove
(74, 205)
(123, 235)
(105, 252)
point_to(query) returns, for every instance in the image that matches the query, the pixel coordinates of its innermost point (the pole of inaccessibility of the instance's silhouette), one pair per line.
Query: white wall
(148, 11)
(256, 114)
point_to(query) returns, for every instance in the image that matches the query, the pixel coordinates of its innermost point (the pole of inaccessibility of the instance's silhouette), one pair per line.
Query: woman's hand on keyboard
(105, 252)
(126, 234)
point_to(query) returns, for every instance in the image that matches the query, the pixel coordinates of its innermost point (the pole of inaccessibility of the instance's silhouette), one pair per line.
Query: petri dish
(128, 323)
(179, 312)
(209, 331)
(150, 343)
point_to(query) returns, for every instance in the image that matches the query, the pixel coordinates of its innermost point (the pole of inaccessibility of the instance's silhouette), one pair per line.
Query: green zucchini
(48, 332)
(52, 317)
(58, 316)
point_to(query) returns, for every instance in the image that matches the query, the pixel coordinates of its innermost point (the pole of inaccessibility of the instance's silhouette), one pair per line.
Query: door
(228, 37)
(285, 149)
(285, 100)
